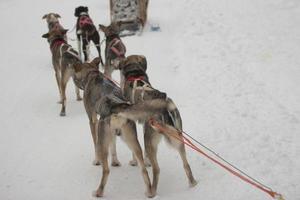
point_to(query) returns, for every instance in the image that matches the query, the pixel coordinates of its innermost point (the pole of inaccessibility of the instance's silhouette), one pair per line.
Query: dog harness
(61, 43)
(56, 43)
(145, 87)
(117, 47)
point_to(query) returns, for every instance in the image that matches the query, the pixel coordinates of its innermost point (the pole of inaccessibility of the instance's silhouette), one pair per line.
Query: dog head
(81, 10)
(83, 69)
(112, 29)
(55, 33)
(51, 17)
(133, 65)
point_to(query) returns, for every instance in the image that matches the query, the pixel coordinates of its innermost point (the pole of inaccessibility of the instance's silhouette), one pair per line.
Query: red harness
(56, 43)
(118, 47)
(135, 78)
(85, 20)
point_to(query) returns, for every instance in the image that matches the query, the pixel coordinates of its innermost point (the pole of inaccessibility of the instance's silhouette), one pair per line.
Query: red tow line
(180, 136)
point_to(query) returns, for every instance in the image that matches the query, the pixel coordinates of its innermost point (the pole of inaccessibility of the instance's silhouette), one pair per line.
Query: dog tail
(141, 111)
(174, 114)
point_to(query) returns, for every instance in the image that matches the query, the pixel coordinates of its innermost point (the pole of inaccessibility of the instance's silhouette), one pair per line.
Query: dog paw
(62, 114)
(133, 163)
(150, 194)
(115, 163)
(193, 183)
(96, 162)
(98, 193)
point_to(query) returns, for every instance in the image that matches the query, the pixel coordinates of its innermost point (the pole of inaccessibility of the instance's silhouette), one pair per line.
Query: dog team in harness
(114, 109)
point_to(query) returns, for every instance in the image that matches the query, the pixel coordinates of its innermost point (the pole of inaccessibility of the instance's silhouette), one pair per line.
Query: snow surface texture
(232, 67)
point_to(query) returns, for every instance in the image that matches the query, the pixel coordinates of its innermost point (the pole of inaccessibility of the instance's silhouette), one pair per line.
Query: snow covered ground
(232, 67)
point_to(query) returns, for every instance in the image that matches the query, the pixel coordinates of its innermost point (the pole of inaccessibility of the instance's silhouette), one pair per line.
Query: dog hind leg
(113, 150)
(94, 126)
(179, 146)
(152, 140)
(104, 133)
(85, 49)
(96, 41)
(129, 134)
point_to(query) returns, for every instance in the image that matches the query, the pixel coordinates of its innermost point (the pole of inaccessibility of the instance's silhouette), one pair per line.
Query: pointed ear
(64, 31)
(77, 67)
(46, 35)
(45, 16)
(102, 28)
(96, 61)
(57, 15)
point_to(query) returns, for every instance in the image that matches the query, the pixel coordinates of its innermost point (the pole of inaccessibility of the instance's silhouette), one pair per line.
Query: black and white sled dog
(86, 32)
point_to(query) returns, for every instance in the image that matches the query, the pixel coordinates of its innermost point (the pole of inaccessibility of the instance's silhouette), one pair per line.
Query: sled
(131, 13)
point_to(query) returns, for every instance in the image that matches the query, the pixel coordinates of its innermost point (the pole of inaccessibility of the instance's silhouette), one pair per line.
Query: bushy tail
(141, 111)
(174, 114)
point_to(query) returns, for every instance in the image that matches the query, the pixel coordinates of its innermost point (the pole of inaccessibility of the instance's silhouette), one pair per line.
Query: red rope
(112, 80)
(135, 78)
(180, 137)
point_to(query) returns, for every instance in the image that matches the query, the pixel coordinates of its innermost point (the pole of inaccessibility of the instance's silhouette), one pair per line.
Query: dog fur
(137, 88)
(115, 49)
(63, 58)
(103, 97)
(86, 33)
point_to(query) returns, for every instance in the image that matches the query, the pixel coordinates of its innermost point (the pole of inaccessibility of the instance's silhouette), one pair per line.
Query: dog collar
(57, 42)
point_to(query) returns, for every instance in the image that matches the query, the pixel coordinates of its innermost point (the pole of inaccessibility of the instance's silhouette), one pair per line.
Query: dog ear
(86, 9)
(76, 12)
(57, 15)
(45, 16)
(46, 35)
(102, 28)
(143, 63)
(96, 61)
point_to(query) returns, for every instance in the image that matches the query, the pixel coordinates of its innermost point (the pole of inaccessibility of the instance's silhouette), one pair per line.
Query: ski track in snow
(231, 67)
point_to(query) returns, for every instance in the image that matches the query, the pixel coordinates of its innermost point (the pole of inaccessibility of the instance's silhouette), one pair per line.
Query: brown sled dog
(114, 49)
(63, 58)
(138, 89)
(103, 97)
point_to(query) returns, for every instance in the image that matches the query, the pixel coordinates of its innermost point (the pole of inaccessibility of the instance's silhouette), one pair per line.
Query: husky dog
(103, 97)
(86, 32)
(53, 22)
(115, 49)
(137, 89)
(63, 58)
